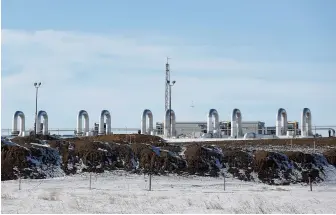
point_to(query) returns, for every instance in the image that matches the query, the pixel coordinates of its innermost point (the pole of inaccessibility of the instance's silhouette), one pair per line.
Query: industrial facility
(212, 127)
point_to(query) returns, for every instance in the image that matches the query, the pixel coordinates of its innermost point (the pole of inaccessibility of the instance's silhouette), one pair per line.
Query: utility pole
(36, 85)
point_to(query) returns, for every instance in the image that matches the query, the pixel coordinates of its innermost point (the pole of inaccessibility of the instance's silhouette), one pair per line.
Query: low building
(196, 129)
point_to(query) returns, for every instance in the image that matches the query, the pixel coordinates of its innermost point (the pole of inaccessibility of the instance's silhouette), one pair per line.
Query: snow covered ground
(120, 192)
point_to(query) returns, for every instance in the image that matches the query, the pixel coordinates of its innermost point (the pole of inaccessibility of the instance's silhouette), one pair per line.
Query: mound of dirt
(13, 157)
(28, 161)
(146, 153)
(124, 138)
(288, 144)
(330, 155)
(33, 139)
(238, 160)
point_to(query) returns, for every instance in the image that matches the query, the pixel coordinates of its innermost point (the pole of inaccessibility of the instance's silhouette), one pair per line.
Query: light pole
(170, 115)
(36, 85)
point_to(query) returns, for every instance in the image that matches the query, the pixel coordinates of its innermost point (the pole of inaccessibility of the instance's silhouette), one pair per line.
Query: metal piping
(236, 123)
(108, 123)
(79, 122)
(212, 113)
(22, 123)
(43, 114)
(306, 123)
(144, 130)
(333, 130)
(167, 130)
(281, 122)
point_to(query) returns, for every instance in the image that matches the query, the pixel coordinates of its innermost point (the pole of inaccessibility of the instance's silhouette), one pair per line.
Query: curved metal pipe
(167, 123)
(144, 130)
(22, 123)
(333, 130)
(82, 113)
(306, 123)
(281, 122)
(212, 113)
(108, 122)
(236, 123)
(43, 114)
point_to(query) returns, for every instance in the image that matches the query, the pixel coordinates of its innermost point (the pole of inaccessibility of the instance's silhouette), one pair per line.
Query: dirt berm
(143, 153)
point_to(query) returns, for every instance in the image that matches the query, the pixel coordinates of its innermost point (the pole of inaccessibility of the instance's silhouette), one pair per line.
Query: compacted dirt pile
(321, 144)
(28, 161)
(144, 153)
(124, 138)
(330, 155)
(13, 157)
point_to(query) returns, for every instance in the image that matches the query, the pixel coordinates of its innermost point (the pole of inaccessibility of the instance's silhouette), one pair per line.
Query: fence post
(310, 183)
(224, 179)
(150, 181)
(19, 180)
(90, 178)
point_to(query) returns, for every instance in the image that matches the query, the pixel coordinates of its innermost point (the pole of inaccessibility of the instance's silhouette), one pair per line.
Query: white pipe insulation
(105, 113)
(18, 114)
(212, 114)
(43, 114)
(306, 123)
(281, 122)
(170, 131)
(236, 123)
(82, 113)
(146, 113)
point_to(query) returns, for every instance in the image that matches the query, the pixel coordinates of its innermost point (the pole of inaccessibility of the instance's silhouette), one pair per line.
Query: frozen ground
(120, 192)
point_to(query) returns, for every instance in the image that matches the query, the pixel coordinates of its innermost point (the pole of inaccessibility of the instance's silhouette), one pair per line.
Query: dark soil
(135, 153)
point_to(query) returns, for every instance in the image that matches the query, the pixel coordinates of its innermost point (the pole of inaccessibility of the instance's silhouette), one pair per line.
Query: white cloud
(126, 75)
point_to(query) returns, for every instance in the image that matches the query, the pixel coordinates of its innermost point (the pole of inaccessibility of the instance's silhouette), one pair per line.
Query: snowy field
(120, 192)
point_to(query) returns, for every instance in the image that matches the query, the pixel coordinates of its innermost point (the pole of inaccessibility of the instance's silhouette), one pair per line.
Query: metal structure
(306, 123)
(81, 114)
(170, 123)
(147, 113)
(211, 127)
(236, 123)
(235, 128)
(43, 114)
(167, 103)
(281, 122)
(36, 85)
(170, 113)
(107, 131)
(18, 114)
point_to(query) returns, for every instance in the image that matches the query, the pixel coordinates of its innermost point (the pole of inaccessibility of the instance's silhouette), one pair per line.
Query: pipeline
(103, 114)
(147, 113)
(236, 123)
(306, 123)
(333, 130)
(82, 113)
(212, 114)
(170, 131)
(281, 122)
(18, 114)
(43, 114)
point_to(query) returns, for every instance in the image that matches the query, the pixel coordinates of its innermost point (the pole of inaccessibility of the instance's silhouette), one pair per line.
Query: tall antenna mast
(167, 86)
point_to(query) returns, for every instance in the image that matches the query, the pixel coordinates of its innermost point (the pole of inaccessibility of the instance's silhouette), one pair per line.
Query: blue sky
(257, 56)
